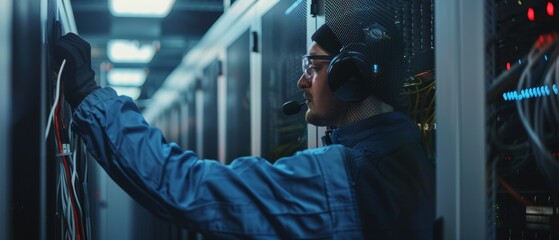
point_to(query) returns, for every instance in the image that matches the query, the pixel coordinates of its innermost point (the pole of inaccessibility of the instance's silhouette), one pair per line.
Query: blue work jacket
(314, 194)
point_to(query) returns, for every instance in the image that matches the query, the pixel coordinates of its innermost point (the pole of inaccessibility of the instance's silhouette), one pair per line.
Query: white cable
(74, 176)
(86, 197)
(67, 204)
(541, 154)
(70, 135)
(64, 199)
(86, 168)
(555, 80)
(526, 74)
(51, 115)
(70, 210)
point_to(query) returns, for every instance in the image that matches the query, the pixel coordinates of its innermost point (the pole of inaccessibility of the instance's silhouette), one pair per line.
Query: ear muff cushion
(349, 78)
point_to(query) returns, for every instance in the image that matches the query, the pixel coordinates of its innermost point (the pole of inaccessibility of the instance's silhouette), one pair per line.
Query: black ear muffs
(354, 73)
(351, 75)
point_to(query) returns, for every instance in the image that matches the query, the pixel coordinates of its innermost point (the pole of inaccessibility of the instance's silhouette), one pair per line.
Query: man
(372, 181)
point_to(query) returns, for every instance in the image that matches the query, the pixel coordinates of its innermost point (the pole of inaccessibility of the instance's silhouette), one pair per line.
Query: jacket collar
(383, 132)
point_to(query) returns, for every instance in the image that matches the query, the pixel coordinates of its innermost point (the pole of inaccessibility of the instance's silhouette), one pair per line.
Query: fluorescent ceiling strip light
(141, 8)
(130, 51)
(127, 77)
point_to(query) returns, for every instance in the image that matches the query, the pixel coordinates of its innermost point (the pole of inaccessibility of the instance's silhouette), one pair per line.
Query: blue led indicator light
(545, 57)
(535, 90)
(519, 61)
(375, 68)
(540, 91)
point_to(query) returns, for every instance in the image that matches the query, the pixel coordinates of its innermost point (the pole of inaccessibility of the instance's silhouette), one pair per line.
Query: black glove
(78, 77)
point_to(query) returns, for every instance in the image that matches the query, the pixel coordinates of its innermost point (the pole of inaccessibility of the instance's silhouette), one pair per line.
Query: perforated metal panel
(414, 19)
(209, 88)
(283, 45)
(238, 98)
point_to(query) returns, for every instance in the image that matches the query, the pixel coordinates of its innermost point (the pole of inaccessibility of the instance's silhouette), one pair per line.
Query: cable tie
(64, 154)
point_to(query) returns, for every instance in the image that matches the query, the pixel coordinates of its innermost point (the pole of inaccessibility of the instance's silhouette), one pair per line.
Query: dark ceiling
(177, 33)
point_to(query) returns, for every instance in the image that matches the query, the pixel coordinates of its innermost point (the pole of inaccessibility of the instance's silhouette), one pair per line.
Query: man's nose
(303, 82)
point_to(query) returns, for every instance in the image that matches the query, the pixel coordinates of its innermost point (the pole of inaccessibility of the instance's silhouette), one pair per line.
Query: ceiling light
(132, 92)
(130, 51)
(141, 8)
(127, 77)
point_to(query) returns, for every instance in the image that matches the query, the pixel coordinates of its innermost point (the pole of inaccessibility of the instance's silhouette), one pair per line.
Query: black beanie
(327, 39)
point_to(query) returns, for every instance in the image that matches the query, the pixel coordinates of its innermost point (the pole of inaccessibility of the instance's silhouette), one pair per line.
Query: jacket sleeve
(248, 197)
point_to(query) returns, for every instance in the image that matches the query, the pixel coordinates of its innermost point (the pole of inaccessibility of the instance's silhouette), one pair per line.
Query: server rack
(30, 177)
(208, 85)
(238, 101)
(281, 53)
(493, 179)
(522, 132)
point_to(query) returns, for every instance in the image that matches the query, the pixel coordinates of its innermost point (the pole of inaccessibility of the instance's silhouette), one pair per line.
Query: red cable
(64, 126)
(513, 193)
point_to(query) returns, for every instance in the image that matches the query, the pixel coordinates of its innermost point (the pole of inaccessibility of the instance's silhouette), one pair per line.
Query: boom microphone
(292, 107)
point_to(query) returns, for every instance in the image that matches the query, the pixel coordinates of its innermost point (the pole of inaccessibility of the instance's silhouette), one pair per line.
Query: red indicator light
(550, 9)
(508, 65)
(531, 14)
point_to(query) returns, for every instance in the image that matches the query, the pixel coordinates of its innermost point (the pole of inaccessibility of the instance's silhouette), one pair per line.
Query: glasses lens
(308, 69)
(305, 66)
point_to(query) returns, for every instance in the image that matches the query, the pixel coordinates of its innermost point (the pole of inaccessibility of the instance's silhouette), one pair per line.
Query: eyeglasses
(308, 68)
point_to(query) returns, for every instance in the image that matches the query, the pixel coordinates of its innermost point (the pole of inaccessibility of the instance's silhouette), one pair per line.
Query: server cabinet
(284, 37)
(238, 98)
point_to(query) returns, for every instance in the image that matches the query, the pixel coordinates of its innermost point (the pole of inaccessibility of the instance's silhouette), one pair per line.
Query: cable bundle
(540, 117)
(70, 190)
(420, 96)
(534, 107)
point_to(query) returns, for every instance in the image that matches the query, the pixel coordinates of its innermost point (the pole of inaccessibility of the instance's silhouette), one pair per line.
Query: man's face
(323, 107)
